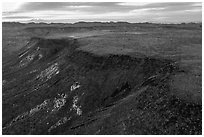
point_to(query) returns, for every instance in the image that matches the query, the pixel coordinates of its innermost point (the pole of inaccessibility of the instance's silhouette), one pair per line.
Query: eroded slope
(56, 88)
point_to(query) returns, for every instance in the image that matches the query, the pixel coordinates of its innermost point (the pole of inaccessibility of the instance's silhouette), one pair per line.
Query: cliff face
(56, 88)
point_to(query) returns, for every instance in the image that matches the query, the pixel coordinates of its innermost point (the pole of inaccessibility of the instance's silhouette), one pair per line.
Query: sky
(70, 12)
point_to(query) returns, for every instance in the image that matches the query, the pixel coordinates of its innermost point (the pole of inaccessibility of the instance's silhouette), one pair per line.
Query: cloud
(17, 17)
(101, 7)
(56, 11)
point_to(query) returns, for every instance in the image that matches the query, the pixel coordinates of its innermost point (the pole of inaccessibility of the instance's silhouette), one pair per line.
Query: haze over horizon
(71, 12)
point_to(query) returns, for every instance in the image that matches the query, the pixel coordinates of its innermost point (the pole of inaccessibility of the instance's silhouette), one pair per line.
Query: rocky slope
(54, 87)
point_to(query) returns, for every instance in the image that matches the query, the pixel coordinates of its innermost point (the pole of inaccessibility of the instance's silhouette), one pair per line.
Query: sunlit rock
(40, 56)
(60, 122)
(49, 72)
(60, 102)
(75, 86)
(76, 107)
(23, 54)
(26, 60)
(38, 108)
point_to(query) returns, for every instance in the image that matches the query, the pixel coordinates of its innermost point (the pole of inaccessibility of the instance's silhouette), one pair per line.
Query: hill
(102, 79)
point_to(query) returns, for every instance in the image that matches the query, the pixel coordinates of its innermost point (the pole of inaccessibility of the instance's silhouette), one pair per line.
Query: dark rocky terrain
(102, 78)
